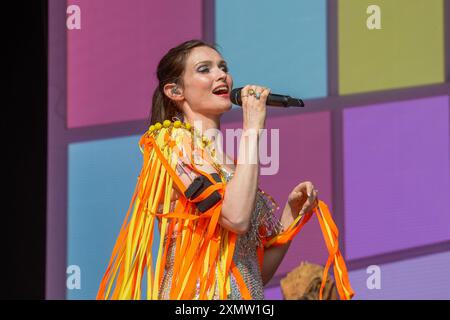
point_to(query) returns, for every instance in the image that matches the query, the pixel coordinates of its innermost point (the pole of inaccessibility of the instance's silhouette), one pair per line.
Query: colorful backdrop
(374, 136)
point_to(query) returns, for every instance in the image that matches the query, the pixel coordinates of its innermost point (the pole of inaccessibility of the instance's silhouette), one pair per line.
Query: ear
(173, 91)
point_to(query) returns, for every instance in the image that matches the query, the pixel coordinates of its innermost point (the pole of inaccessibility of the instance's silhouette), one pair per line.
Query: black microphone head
(235, 96)
(295, 102)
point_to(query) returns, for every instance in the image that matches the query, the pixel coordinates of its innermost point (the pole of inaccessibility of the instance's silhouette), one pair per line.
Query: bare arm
(240, 194)
(302, 199)
(273, 256)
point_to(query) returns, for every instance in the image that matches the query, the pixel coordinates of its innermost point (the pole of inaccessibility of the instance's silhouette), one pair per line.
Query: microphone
(276, 100)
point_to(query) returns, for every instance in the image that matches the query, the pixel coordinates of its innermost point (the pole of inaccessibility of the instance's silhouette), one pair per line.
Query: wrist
(249, 148)
(287, 218)
(251, 130)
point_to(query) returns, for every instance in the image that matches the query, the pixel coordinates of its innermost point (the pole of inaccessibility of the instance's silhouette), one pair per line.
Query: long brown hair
(170, 70)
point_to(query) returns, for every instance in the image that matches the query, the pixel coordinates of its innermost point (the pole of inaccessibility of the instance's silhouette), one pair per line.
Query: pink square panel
(112, 59)
(304, 154)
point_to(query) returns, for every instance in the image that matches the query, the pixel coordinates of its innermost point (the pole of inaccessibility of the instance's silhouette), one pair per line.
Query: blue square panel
(102, 178)
(281, 45)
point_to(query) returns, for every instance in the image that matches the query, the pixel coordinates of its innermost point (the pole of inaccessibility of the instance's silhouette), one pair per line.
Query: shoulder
(174, 139)
(167, 133)
(179, 144)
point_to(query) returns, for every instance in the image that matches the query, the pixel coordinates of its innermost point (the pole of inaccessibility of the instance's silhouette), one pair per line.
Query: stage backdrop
(373, 137)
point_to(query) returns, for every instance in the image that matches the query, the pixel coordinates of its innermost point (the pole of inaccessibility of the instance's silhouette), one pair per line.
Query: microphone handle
(275, 100)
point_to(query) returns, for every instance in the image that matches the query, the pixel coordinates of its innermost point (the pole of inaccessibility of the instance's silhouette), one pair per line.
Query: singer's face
(205, 70)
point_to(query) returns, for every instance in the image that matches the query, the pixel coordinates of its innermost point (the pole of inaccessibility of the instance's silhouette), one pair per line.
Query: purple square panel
(112, 59)
(304, 154)
(396, 176)
(273, 293)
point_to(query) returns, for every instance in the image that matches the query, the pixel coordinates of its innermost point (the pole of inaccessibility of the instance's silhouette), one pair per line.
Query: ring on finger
(251, 92)
(257, 95)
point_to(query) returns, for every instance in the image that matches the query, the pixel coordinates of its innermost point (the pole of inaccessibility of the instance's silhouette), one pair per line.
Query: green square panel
(406, 50)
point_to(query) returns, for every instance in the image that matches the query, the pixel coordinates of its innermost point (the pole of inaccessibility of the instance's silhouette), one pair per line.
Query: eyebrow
(209, 62)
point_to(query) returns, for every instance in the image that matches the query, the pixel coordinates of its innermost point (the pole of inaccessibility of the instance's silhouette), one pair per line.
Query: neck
(207, 125)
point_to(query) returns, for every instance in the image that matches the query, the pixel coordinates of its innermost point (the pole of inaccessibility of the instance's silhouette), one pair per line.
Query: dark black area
(24, 147)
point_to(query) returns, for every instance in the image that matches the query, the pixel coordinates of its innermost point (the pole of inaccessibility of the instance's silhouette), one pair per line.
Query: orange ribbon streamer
(330, 233)
(199, 236)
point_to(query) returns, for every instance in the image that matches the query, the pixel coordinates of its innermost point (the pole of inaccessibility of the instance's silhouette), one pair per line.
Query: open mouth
(221, 92)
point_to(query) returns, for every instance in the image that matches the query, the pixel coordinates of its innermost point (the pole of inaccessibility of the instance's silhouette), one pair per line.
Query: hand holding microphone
(253, 102)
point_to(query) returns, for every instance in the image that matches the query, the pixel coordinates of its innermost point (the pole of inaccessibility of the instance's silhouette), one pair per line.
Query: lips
(220, 89)
(223, 95)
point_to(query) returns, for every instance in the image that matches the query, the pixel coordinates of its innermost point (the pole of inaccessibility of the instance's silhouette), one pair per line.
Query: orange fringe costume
(202, 245)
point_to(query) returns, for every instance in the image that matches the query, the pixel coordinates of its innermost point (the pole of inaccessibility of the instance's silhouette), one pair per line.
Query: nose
(222, 74)
(222, 77)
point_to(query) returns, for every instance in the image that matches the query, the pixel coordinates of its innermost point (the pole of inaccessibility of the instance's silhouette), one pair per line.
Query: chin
(226, 107)
(229, 106)
(215, 107)
(220, 108)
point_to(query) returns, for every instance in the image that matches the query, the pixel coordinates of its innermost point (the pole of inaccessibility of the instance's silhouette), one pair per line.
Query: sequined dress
(245, 254)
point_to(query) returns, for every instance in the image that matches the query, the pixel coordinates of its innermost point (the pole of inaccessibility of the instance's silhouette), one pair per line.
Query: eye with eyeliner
(203, 70)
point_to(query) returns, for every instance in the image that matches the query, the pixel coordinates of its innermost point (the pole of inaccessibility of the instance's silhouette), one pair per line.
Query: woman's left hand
(302, 199)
